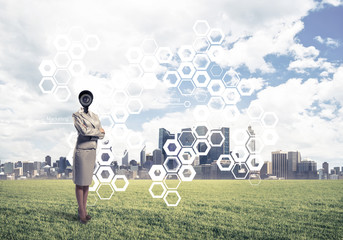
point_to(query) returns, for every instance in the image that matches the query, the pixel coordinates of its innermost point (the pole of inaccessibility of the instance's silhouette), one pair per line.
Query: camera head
(86, 99)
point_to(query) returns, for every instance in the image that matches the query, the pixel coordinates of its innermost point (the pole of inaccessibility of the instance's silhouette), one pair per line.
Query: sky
(289, 52)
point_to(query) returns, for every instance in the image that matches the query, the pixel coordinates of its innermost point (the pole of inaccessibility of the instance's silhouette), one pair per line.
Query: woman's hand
(102, 130)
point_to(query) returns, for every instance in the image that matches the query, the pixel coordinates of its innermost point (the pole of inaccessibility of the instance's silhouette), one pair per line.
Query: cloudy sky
(290, 52)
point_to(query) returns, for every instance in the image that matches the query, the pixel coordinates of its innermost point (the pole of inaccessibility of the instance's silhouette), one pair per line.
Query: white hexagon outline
(256, 139)
(200, 39)
(96, 167)
(155, 168)
(233, 173)
(215, 52)
(197, 75)
(201, 55)
(134, 82)
(166, 195)
(118, 189)
(230, 73)
(169, 84)
(89, 197)
(202, 140)
(47, 73)
(229, 168)
(213, 98)
(152, 186)
(265, 138)
(174, 174)
(125, 97)
(51, 79)
(64, 37)
(221, 87)
(210, 135)
(196, 133)
(192, 155)
(257, 126)
(158, 55)
(271, 114)
(201, 22)
(255, 105)
(186, 94)
(216, 75)
(129, 72)
(139, 52)
(259, 179)
(147, 68)
(110, 154)
(186, 58)
(142, 46)
(167, 160)
(115, 118)
(67, 97)
(244, 157)
(71, 68)
(186, 131)
(124, 133)
(110, 171)
(183, 177)
(231, 108)
(177, 147)
(97, 191)
(236, 99)
(243, 93)
(62, 65)
(77, 56)
(139, 101)
(186, 75)
(89, 48)
(239, 131)
(96, 184)
(66, 71)
(260, 162)
(217, 30)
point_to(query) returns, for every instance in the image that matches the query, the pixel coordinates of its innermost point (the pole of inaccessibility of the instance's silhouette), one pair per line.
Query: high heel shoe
(87, 216)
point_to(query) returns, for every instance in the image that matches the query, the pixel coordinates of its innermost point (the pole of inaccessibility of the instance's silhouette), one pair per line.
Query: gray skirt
(83, 166)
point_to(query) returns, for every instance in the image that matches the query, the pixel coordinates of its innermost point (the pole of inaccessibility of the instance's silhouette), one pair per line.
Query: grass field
(209, 209)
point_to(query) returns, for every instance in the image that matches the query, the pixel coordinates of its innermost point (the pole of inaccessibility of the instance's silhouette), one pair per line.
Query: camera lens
(86, 99)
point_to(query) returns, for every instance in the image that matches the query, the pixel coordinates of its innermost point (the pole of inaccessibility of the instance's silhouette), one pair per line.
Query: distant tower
(143, 156)
(252, 144)
(157, 157)
(293, 160)
(279, 164)
(326, 169)
(125, 159)
(48, 160)
(162, 138)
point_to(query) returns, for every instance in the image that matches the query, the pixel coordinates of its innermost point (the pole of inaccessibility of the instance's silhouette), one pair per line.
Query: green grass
(209, 209)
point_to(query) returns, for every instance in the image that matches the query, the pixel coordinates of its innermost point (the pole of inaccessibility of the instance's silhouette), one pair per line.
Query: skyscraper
(157, 157)
(162, 138)
(279, 164)
(48, 160)
(326, 170)
(215, 152)
(125, 159)
(307, 169)
(293, 160)
(143, 156)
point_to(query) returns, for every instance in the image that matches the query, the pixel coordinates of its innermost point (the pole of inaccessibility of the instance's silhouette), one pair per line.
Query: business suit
(88, 126)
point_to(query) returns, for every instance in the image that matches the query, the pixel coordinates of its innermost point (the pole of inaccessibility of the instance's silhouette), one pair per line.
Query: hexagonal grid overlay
(67, 62)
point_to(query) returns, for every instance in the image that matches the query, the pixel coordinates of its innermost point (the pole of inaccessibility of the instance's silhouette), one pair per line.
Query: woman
(89, 131)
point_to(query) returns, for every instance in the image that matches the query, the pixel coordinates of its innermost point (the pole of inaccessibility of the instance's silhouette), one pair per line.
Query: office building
(162, 138)
(28, 168)
(337, 171)
(157, 157)
(62, 164)
(8, 168)
(326, 168)
(48, 160)
(307, 169)
(279, 164)
(125, 158)
(143, 156)
(293, 159)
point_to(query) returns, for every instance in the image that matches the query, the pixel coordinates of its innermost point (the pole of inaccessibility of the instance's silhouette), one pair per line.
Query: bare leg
(85, 195)
(79, 198)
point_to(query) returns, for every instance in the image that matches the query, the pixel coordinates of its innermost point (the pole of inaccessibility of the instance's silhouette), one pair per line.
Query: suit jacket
(88, 127)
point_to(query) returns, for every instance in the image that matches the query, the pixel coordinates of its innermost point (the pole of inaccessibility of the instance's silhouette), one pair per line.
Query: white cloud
(330, 42)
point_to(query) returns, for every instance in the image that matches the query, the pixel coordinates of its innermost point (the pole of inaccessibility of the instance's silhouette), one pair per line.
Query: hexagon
(62, 93)
(227, 160)
(240, 171)
(240, 154)
(240, 136)
(187, 138)
(201, 113)
(135, 140)
(255, 145)
(186, 70)
(149, 46)
(201, 45)
(255, 111)
(134, 89)
(172, 177)
(105, 156)
(61, 42)
(216, 36)
(96, 168)
(231, 113)
(172, 204)
(120, 189)
(171, 147)
(120, 131)
(231, 96)
(47, 68)
(201, 61)
(106, 105)
(164, 55)
(254, 179)
(171, 78)
(134, 55)
(77, 68)
(62, 76)
(202, 147)
(105, 143)
(201, 95)
(149, 64)
(77, 50)
(95, 185)
(120, 97)
(172, 164)
(216, 138)
(216, 88)
(186, 53)
(216, 103)
(153, 185)
(157, 172)
(216, 53)
(190, 173)
(91, 200)
(201, 27)
(92, 42)
(201, 78)
(245, 87)
(255, 128)
(119, 114)
(216, 70)
(134, 71)
(135, 106)
(201, 131)
(103, 197)
(62, 59)
(186, 87)
(149, 80)
(231, 78)
(103, 170)
(270, 137)
(187, 155)
(47, 85)
(255, 162)
(77, 33)
(269, 119)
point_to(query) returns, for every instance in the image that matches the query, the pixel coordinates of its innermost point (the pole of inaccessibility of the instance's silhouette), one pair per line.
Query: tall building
(125, 159)
(143, 156)
(252, 145)
(293, 159)
(157, 157)
(307, 169)
(62, 164)
(279, 164)
(336, 170)
(28, 168)
(162, 138)
(37, 165)
(326, 168)
(48, 160)
(8, 168)
(266, 169)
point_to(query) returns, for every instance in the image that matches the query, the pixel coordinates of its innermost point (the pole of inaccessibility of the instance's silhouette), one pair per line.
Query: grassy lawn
(209, 209)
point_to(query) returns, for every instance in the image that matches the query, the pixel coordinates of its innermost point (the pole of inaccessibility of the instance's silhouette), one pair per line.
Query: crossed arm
(88, 131)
